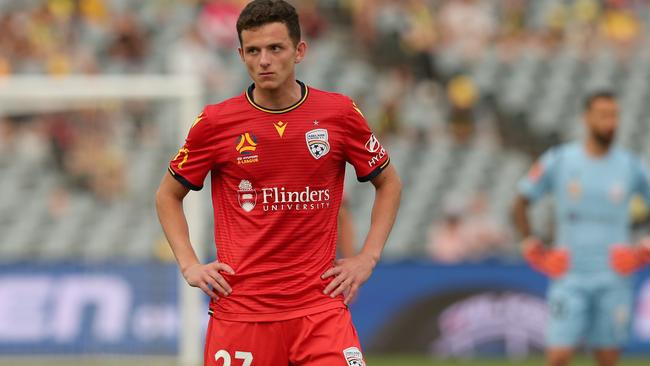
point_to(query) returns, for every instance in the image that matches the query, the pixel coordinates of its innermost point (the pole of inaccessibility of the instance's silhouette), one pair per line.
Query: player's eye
(276, 48)
(252, 51)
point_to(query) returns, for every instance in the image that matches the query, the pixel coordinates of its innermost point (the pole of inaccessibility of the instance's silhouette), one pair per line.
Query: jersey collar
(304, 91)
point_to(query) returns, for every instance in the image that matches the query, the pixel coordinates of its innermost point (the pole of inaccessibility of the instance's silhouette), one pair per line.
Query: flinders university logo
(246, 196)
(317, 142)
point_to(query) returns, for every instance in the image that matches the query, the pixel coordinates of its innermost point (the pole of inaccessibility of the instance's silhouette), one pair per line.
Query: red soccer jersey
(277, 179)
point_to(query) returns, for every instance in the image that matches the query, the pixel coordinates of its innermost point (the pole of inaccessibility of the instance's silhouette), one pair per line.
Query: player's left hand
(349, 274)
(626, 260)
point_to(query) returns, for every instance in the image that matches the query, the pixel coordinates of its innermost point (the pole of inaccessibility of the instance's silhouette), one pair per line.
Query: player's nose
(265, 59)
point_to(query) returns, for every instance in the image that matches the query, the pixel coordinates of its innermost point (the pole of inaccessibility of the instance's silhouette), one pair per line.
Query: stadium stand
(520, 88)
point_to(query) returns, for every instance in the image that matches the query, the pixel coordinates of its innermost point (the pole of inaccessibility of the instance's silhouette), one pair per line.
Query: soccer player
(277, 156)
(592, 182)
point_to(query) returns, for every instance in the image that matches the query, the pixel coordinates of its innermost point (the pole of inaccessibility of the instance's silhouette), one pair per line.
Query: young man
(277, 157)
(592, 182)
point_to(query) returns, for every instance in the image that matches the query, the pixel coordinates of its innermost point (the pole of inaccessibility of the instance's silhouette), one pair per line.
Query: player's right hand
(552, 262)
(207, 278)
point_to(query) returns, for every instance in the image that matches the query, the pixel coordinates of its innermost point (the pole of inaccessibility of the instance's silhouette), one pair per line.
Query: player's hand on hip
(208, 278)
(627, 259)
(349, 274)
(553, 262)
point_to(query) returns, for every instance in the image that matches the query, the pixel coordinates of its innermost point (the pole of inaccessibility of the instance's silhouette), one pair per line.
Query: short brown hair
(260, 12)
(598, 94)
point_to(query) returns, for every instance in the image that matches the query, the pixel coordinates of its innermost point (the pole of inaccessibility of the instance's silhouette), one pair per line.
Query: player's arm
(346, 232)
(169, 205)
(388, 191)
(550, 261)
(371, 163)
(187, 170)
(350, 273)
(520, 215)
(626, 259)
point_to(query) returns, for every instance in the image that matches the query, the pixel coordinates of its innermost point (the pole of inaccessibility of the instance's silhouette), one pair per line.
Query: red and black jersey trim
(375, 172)
(304, 92)
(184, 181)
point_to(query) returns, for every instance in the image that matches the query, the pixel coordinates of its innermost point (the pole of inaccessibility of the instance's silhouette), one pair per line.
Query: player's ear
(241, 53)
(301, 50)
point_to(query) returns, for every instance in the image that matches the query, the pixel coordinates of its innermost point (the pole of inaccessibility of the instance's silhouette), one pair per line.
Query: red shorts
(323, 339)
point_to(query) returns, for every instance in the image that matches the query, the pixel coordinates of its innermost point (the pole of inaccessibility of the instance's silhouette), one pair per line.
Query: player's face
(270, 55)
(602, 120)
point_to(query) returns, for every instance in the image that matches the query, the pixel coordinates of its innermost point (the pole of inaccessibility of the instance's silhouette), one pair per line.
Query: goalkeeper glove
(552, 262)
(625, 259)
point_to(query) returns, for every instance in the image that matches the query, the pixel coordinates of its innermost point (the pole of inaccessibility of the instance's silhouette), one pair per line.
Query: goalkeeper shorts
(593, 313)
(322, 339)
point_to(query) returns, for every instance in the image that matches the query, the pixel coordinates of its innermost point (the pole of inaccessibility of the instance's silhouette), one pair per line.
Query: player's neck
(596, 149)
(282, 97)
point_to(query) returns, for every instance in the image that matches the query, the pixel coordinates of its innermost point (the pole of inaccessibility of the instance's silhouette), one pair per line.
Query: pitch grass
(376, 360)
(423, 361)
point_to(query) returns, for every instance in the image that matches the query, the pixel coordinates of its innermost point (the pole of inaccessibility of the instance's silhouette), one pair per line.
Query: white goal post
(37, 93)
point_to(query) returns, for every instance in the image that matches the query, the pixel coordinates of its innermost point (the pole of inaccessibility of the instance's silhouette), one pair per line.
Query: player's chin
(267, 82)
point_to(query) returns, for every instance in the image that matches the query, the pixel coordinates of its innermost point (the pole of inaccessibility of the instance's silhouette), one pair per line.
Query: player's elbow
(389, 181)
(519, 208)
(160, 198)
(165, 197)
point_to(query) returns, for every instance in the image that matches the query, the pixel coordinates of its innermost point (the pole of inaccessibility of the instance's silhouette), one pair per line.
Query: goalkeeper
(592, 182)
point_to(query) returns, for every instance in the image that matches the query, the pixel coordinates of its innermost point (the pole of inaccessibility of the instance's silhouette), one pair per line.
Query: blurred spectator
(191, 55)
(448, 242)
(620, 26)
(462, 95)
(312, 23)
(218, 21)
(467, 232)
(129, 45)
(419, 38)
(467, 26)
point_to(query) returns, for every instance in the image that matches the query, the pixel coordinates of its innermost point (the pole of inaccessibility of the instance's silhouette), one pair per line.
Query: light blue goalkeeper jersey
(592, 197)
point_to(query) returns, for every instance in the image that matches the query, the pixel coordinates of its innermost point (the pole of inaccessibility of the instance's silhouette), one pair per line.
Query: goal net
(85, 271)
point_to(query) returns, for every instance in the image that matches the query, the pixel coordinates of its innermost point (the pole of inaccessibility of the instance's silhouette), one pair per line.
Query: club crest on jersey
(246, 196)
(317, 142)
(353, 357)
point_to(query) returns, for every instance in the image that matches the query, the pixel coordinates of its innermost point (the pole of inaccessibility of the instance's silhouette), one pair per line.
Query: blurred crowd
(88, 148)
(422, 53)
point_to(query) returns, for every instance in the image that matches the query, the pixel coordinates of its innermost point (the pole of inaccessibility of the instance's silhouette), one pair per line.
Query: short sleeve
(539, 180)
(362, 149)
(195, 159)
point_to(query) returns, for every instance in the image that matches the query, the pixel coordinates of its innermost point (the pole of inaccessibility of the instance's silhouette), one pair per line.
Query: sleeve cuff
(375, 172)
(184, 181)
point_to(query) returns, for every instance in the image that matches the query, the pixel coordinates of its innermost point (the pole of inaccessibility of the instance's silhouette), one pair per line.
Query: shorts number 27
(223, 354)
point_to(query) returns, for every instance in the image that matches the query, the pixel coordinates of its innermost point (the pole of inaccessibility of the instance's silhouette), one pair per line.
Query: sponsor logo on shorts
(353, 357)
(317, 142)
